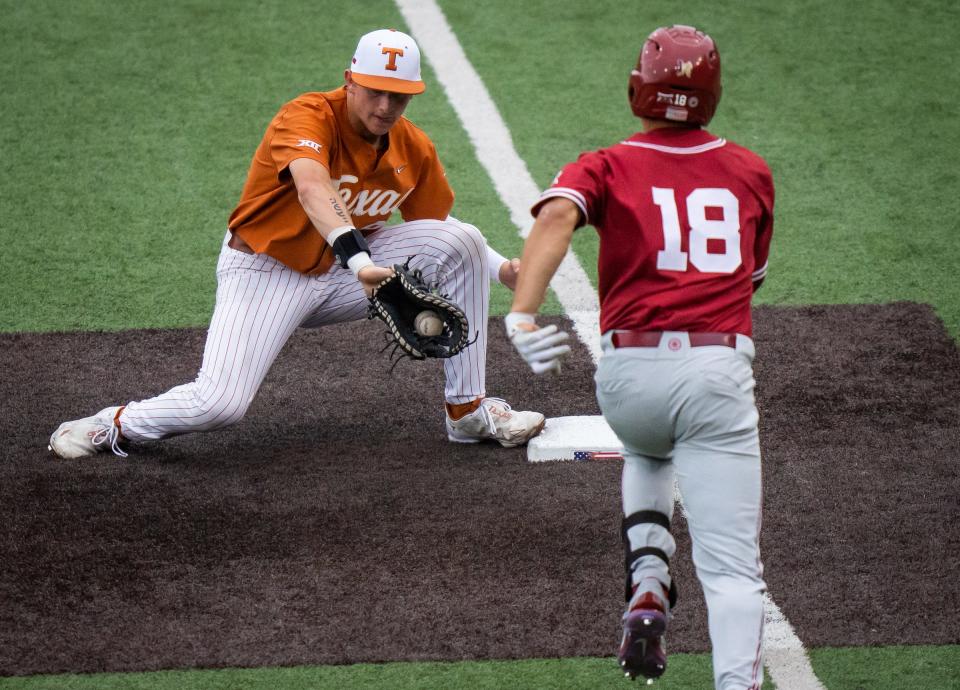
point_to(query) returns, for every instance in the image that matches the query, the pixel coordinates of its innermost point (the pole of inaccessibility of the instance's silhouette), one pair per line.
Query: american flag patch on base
(596, 455)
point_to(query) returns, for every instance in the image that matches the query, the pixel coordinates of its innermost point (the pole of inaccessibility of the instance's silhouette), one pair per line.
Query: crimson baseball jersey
(407, 176)
(684, 219)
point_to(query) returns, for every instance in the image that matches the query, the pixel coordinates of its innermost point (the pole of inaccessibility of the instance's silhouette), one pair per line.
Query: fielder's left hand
(541, 348)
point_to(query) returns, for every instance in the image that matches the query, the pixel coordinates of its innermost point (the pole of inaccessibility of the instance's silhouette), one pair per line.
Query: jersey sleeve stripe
(710, 145)
(567, 193)
(760, 273)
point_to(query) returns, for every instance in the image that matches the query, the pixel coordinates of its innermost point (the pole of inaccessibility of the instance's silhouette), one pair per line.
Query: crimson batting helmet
(677, 76)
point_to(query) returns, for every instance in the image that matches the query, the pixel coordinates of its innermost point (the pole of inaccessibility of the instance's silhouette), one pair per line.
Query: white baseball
(428, 323)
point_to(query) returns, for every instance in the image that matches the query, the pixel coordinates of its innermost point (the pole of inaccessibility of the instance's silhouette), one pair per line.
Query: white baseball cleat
(496, 421)
(85, 437)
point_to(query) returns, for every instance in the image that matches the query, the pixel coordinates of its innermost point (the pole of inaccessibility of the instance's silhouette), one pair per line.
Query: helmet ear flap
(634, 92)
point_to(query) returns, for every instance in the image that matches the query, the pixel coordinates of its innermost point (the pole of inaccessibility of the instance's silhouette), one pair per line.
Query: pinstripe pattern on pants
(260, 303)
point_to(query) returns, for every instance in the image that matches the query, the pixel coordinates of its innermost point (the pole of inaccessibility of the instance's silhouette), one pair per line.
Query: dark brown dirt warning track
(335, 524)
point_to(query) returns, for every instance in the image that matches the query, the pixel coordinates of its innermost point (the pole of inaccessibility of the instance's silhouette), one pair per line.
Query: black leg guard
(631, 557)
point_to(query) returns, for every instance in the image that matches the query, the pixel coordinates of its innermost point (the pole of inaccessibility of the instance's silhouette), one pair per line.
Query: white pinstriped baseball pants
(690, 412)
(260, 303)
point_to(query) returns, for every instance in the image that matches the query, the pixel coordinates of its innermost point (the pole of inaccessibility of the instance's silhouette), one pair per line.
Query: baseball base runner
(685, 220)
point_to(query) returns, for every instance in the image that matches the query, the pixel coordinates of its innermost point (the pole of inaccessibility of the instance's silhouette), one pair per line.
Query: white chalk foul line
(494, 146)
(785, 658)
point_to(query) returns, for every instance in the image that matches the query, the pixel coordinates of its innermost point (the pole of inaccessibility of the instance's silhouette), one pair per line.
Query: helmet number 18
(723, 225)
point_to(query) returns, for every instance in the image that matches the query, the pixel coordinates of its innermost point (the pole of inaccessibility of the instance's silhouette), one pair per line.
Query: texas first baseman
(328, 164)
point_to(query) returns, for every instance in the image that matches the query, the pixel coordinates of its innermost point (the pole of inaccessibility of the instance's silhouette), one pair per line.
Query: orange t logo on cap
(394, 53)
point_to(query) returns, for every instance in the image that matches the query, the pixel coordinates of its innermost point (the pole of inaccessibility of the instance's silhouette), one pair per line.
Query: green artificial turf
(888, 668)
(128, 130)
(866, 668)
(858, 123)
(686, 672)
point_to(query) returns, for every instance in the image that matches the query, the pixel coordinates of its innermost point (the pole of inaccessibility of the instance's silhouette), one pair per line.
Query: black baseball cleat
(642, 651)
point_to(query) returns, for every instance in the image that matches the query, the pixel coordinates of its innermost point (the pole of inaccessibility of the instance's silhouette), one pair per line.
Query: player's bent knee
(470, 242)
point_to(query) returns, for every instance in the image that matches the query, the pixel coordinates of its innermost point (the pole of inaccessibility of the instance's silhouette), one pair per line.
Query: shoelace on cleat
(109, 434)
(488, 414)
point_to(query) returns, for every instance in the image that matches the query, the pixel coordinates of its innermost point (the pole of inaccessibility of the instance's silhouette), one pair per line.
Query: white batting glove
(542, 348)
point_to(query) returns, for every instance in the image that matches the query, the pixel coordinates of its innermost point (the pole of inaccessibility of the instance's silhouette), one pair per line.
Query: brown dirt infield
(335, 524)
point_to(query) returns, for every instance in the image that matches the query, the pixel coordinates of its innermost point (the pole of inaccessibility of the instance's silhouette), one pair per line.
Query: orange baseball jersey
(407, 176)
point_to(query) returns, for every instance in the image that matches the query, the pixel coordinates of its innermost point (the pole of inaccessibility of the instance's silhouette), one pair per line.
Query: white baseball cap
(387, 60)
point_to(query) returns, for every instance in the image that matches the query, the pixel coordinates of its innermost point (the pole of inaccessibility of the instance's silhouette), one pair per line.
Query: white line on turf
(784, 655)
(786, 660)
(494, 146)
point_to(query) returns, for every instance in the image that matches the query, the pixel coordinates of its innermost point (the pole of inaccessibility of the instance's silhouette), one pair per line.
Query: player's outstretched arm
(543, 251)
(319, 199)
(327, 212)
(541, 348)
(502, 269)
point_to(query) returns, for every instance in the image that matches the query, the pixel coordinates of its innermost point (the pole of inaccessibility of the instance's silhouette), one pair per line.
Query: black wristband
(349, 244)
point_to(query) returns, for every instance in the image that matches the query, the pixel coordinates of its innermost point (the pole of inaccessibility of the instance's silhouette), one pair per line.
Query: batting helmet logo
(677, 76)
(684, 68)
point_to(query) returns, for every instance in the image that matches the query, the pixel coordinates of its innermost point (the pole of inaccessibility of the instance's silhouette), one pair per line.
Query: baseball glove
(398, 300)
